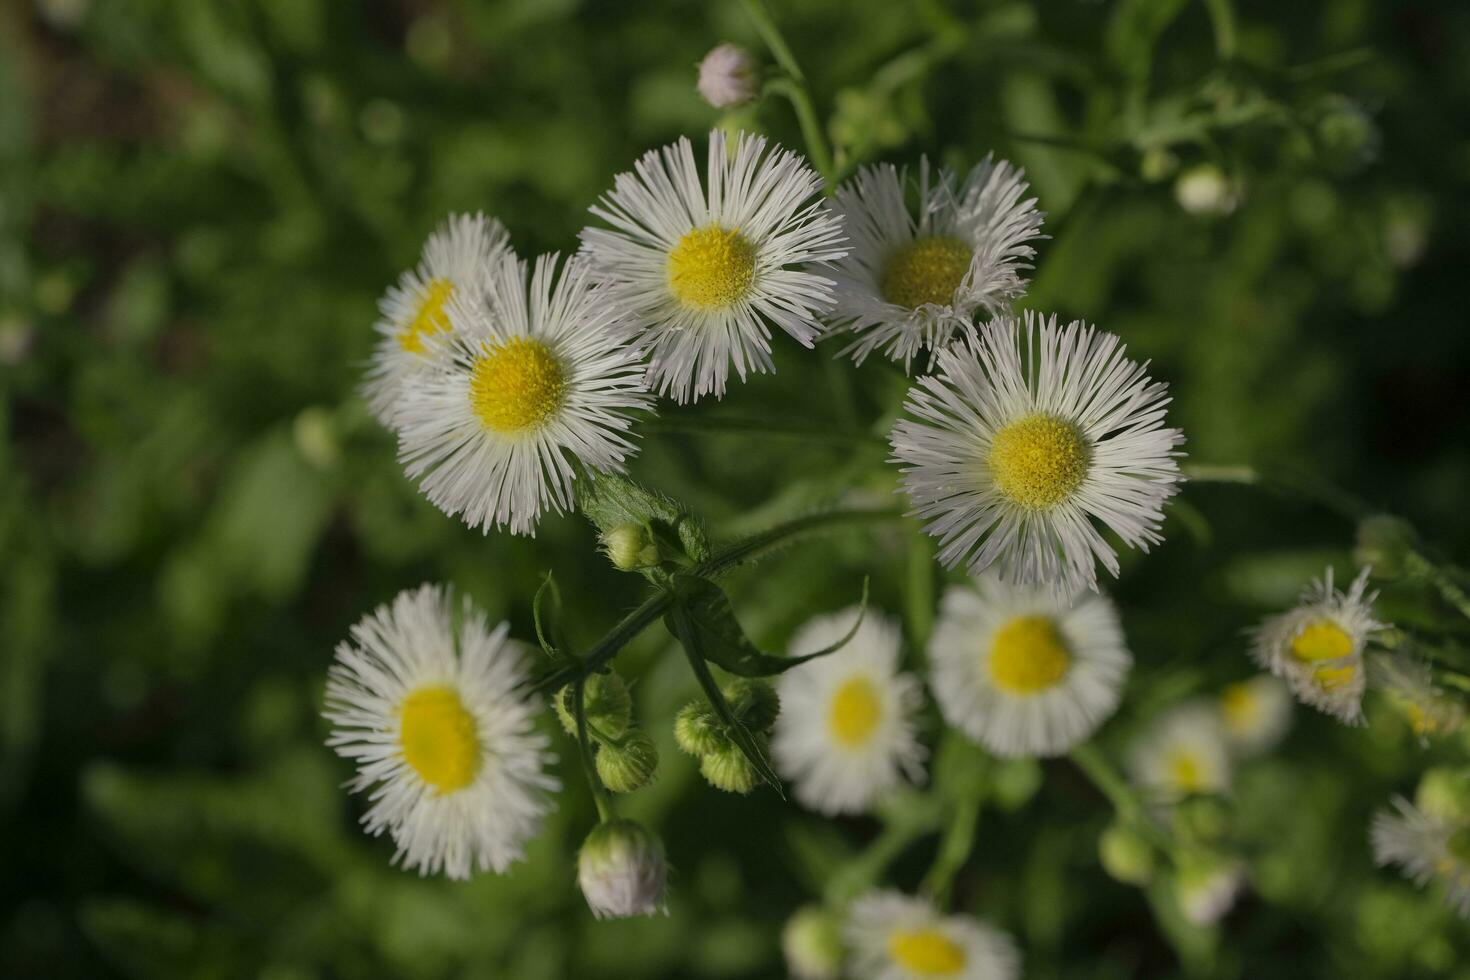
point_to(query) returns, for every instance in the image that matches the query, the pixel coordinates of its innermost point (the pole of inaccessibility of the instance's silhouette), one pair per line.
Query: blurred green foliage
(200, 201)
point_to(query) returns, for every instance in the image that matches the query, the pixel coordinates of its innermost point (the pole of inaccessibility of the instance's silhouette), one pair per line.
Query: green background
(199, 205)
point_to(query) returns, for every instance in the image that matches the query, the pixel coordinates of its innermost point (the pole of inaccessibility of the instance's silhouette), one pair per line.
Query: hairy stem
(1121, 794)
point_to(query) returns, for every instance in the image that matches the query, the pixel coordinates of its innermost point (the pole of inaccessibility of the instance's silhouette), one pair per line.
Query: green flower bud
(621, 870)
(727, 769)
(606, 701)
(698, 731)
(1383, 543)
(1207, 885)
(1205, 819)
(1444, 794)
(630, 547)
(1126, 855)
(629, 764)
(1204, 190)
(753, 701)
(1157, 164)
(811, 941)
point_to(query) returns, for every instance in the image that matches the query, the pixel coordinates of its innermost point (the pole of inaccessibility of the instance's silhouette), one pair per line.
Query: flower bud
(1207, 886)
(628, 764)
(753, 701)
(1204, 190)
(1383, 541)
(1126, 855)
(605, 700)
(697, 730)
(630, 547)
(728, 76)
(812, 944)
(728, 769)
(621, 870)
(1444, 794)
(1205, 819)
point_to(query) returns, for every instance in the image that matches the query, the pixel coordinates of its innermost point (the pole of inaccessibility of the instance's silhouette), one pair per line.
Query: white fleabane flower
(1428, 847)
(845, 733)
(728, 76)
(1184, 752)
(527, 381)
(1409, 686)
(454, 263)
(1023, 671)
(703, 268)
(913, 282)
(434, 716)
(899, 937)
(1317, 647)
(1256, 713)
(621, 870)
(1029, 433)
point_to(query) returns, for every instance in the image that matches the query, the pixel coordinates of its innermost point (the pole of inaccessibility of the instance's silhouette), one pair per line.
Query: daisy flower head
(911, 281)
(1026, 672)
(1409, 685)
(426, 700)
(703, 268)
(1317, 647)
(1183, 753)
(899, 937)
(532, 378)
(846, 729)
(453, 264)
(1428, 847)
(1256, 714)
(1029, 435)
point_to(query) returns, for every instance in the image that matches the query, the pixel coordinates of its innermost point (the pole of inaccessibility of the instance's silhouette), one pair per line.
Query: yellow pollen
(430, 319)
(516, 385)
(1185, 771)
(1322, 639)
(855, 713)
(926, 952)
(711, 267)
(1240, 708)
(1038, 461)
(1333, 678)
(927, 270)
(439, 738)
(1028, 656)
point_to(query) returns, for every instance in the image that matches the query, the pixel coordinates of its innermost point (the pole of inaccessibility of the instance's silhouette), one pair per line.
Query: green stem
(866, 869)
(1418, 563)
(740, 426)
(811, 128)
(1285, 482)
(766, 27)
(954, 848)
(1121, 794)
(584, 747)
(1222, 20)
(918, 593)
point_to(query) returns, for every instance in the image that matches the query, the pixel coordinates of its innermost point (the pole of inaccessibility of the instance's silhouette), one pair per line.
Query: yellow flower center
(516, 385)
(1322, 639)
(855, 713)
(1333, 678)
(927, 270)
(439, 738)
(1186, 772)
(926, 952)
(1038, 461)
(430, 318)
(1240, 708)
(1028, 656)
(711, 267)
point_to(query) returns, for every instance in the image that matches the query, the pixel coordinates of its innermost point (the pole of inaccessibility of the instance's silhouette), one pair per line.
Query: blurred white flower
(1207, 886)
(621, 870)
(898, 937)
(1182, 753)
(1256, 713)
(1409, 685)
(728, 76)
(1427, 847)
(1204, 190)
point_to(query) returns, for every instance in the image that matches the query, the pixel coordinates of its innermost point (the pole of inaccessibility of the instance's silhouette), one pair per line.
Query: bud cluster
(700, 732)
(626, 757)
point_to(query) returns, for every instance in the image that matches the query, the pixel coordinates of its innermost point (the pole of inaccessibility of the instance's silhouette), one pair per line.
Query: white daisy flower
(1184, 752)
(1409, 686)
(898, 937)
(1029, 433)
(526, 383)
(1428, 848)
(454, 262)
(1317, 647)
(427, 701)
(1256, 714)
(846, 733)
(912, 283)
(704, 268)
(1022, 670)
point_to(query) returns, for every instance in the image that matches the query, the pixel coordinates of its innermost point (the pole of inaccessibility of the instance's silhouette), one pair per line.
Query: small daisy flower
(704, 268)
(527, 382)
(1256, 713)
(453, 264)
(1183, 753)
(912, 283)
(1022, 670)
(1317, 647)
(1409, 686)
(728, 76)
(846, 733)
(1027, 436)
(1427, 847)
(427, 701)
(898, 937)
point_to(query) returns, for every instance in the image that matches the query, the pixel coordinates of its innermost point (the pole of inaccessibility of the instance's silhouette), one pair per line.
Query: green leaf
(681, 624)
(548, 584)
(610, 501)
(726, 643)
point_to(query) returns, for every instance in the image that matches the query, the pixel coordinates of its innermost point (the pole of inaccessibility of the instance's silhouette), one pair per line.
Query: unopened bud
(605, 700)
(628, 764)
(1207, 886)
(728, 76)
(621, 870)
(1383, 541)
(728, 769)
(753, 701)
(1204, 190)
(1444, 794)
(1126, 855)
(812, 944)
(630, 547)
(698, 731)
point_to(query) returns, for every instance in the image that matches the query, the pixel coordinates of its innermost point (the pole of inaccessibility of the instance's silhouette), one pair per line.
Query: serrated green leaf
(610, 500)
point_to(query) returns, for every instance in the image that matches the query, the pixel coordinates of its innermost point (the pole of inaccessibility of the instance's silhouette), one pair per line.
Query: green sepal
(611, 501)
